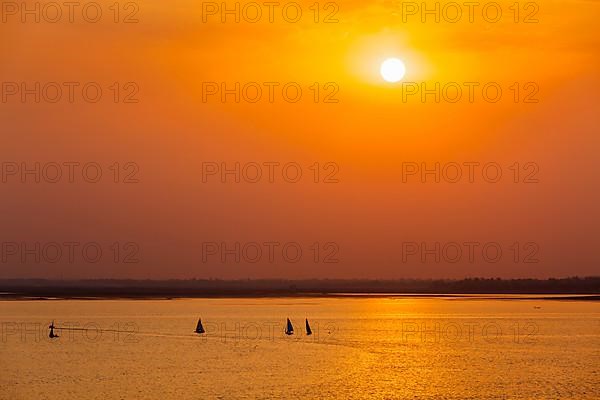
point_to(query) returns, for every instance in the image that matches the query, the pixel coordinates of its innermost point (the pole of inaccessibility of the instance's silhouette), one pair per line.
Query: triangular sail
(289, 329)
(199, 327)
(308, 330)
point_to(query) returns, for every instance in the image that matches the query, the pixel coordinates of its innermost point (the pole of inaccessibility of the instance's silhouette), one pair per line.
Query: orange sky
(369, 133)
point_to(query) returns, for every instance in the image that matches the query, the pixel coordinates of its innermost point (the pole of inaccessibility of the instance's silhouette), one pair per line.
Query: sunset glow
(353, 200)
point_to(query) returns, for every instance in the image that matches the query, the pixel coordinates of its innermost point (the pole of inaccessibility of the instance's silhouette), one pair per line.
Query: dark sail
(199, 327)
(308, 330)
(289, 329)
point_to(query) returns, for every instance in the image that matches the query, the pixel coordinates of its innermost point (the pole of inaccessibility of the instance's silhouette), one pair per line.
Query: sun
(392, 70)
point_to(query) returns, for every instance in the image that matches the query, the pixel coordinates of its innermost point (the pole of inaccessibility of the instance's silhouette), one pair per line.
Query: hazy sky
(366, 142)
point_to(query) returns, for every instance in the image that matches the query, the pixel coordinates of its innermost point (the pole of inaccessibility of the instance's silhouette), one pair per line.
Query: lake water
(362, 348)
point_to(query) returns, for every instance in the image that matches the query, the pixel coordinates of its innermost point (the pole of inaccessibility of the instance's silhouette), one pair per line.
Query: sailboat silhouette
(199, 327)
(52, 335)
(289, 329)
(308, 330)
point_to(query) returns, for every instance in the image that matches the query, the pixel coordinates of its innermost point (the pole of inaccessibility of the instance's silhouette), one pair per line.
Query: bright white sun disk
(392, 70)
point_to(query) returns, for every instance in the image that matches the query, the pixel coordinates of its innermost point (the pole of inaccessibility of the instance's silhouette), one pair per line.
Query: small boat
(199, 327)
(52, 335)
(308, 330)
(289, 329)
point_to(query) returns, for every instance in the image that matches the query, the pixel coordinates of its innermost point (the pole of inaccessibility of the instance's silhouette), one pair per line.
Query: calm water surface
(362, 348)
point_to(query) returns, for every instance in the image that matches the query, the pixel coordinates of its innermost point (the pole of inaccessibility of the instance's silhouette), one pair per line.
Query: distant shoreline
(574, 289)
(483, 296)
